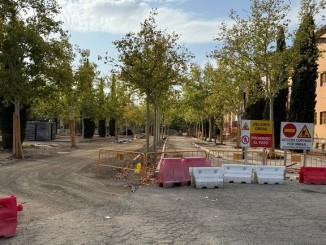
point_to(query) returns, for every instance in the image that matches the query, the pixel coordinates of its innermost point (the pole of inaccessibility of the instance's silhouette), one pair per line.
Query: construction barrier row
(8, 215)
(136, 167)
(212, 177)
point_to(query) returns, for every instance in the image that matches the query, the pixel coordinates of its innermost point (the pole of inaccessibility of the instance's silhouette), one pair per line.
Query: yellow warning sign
(245, 127)
(304, 133)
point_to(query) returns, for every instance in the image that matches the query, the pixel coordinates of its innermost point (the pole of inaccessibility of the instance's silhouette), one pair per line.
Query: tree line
(153, 82)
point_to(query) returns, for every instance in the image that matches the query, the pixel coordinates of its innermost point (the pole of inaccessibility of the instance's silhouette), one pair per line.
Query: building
(320, 109)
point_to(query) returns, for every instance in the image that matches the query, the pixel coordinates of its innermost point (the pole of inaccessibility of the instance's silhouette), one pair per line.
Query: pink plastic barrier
(175, 171)
(312, 175)
(8, 215)
(194, 162)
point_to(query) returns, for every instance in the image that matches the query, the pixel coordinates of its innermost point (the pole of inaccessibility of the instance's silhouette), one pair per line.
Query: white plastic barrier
(237, 173)
(208, 177)
(270, 174)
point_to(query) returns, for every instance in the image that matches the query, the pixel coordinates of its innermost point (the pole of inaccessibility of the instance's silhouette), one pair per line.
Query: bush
(101, 127)
(6, 123)
(89, 128)
(112, 127)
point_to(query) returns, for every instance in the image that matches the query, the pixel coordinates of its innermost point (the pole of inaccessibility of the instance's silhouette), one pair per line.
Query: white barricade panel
(270, 174)
(208, 177)
(237, 173)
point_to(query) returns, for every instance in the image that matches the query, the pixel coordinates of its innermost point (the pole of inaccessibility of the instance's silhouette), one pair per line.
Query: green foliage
(28, 48)
(151, 63)
(249, 47)
(303, 89)
(86, 76)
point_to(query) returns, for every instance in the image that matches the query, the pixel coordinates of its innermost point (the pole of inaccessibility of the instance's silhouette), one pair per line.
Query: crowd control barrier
(237, 173)
(175, 171)
(312, 175)
(8, 215)
(270, 174)
(208, 177)
(122, 165)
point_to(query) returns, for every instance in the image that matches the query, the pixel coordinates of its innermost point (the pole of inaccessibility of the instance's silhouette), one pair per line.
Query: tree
(28, 49)
(193, 97)
(86, 76)
(251, 45)
(303, 89)
(102, 107)
(281, 99)
(150, 62)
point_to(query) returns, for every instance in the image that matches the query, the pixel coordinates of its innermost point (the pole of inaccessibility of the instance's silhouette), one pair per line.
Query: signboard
(245, 133)
(296, 135)
(256, 133)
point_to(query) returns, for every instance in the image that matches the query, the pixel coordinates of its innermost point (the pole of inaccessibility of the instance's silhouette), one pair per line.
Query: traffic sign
(296, 136)
(245, 133)
(256, 133)
(289, 130)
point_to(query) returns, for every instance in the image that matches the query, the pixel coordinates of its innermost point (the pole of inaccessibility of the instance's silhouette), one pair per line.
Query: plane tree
(251, 44)
(29, 46)
(150, 62)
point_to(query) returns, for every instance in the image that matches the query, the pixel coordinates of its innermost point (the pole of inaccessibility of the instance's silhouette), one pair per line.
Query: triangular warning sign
(245, 127)
(304, 133)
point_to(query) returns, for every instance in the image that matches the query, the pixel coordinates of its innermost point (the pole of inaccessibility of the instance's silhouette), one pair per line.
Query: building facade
(320, 109)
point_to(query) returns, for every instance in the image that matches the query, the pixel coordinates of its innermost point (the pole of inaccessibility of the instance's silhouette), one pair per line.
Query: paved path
(65, 203)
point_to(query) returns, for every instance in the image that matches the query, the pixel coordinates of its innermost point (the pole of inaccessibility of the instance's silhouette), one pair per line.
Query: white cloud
(123, 16)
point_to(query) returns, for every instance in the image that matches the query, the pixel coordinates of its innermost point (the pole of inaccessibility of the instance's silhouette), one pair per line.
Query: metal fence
(291, 160)
(125, 166)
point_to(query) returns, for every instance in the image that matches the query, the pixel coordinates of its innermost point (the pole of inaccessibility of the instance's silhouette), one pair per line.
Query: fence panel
(122, 165)
(292, 160)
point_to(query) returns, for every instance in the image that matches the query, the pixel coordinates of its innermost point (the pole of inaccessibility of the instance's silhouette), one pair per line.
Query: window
(315, 118)
(323, 79)
(323, 117)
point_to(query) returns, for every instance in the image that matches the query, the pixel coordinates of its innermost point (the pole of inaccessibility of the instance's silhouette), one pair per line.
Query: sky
(95, 24)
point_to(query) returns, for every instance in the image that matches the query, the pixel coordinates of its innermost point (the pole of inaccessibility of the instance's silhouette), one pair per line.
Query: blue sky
(95, 24)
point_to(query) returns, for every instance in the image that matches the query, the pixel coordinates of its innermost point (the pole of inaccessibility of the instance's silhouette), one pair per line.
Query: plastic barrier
(8, 215)
(270, 174)
(237, 173)
(191, 162)
(312, 175)
(171, 172)
(208, 177)
(176, 170)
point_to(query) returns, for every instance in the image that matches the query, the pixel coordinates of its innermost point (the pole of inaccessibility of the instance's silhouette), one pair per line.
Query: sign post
(256, 133)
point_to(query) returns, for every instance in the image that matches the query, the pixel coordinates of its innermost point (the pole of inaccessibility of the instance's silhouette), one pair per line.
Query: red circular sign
(289, 130)
(245, 139)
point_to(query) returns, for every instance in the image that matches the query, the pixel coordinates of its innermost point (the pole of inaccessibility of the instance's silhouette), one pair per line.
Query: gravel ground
(65, 203)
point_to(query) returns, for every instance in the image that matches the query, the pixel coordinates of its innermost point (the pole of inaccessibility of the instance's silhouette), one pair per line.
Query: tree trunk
(238, 131)
(221, 132)
(72, 125)
(210, 129)
(271, 118)
(17, 149)
(155, 128)
(147, 124)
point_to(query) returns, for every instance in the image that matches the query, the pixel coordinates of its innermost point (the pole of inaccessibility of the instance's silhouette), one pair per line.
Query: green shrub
(89, 128)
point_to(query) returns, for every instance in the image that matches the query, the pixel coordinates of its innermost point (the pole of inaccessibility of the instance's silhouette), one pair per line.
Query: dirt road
(65, 203)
